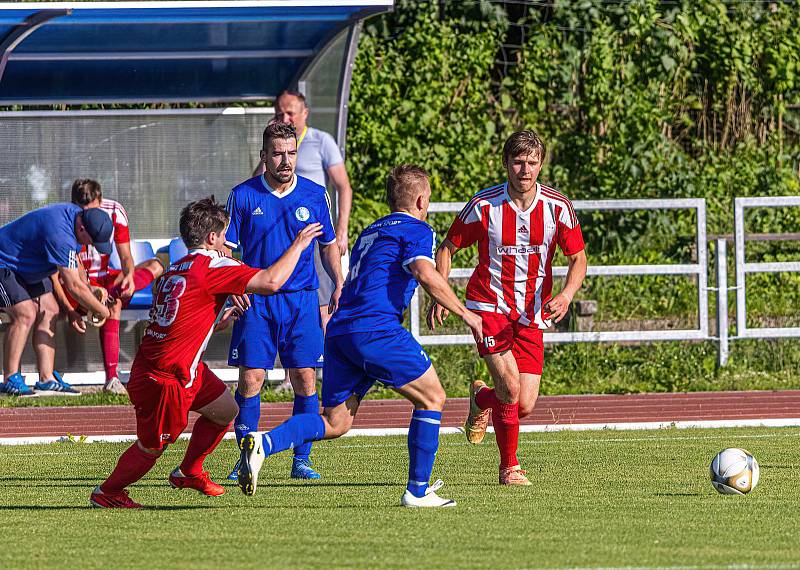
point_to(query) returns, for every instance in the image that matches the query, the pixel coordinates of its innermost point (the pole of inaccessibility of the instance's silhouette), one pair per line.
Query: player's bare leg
(504, 401)
(209, 429)
(304, 384)
(528, 392)
(23, 316)
(44, 345)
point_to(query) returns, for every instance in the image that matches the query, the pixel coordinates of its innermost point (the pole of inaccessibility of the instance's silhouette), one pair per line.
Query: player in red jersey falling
(517, 226)
(168, 378)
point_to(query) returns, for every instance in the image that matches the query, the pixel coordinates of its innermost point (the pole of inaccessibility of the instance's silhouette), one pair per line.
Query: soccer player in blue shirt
(32, 248)
(266, 213)
(366, 342)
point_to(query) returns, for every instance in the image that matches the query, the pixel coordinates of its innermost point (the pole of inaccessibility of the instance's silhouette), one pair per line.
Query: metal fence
(698, 269)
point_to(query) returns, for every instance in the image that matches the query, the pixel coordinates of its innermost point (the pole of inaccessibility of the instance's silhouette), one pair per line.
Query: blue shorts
(355, 361)
(13, 289)
(285, 324)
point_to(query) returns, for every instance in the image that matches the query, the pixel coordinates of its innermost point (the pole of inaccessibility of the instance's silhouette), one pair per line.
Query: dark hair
(523, 142)
(198, 219)
(293, 93)
(403, 184)
(85, 191)
(275, 130)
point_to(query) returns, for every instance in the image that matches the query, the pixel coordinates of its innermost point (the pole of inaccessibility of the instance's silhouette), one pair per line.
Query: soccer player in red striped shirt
(517, 226)
(169, 378)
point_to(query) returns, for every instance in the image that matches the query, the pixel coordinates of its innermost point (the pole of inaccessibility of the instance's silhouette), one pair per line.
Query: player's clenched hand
(557, 307)
(475, 323)
(305, 236)
(436, 314)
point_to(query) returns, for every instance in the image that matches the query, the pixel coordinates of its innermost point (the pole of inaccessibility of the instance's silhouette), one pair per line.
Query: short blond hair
(403, 184)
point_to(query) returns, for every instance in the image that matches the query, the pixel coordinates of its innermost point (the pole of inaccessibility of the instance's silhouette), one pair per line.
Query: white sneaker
(431, 499)
(250, 462)
(114, 386)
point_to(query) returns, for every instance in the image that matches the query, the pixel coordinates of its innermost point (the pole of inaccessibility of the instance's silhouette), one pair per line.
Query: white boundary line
(376, 432)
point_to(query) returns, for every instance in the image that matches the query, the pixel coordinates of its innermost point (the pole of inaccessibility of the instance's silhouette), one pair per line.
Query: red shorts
(162, 403)
(501, 334)
(141, 279)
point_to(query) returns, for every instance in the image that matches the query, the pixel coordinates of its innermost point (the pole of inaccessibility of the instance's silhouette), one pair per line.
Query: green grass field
(608, 499)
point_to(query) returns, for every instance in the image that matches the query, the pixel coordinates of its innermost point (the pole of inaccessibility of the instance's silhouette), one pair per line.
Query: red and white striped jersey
(515, 250)
(186, 306)
(94, 262)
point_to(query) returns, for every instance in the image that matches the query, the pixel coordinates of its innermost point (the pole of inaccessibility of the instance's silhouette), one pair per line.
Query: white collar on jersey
(206, 252)
(274, 192)
(514, 206)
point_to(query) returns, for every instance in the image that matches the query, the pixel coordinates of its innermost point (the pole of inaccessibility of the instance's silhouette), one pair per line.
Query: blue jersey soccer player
(266, 213)
(366, 342)
(32, 248)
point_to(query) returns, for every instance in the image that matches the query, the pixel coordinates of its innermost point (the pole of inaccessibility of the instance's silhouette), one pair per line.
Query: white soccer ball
(734, 471)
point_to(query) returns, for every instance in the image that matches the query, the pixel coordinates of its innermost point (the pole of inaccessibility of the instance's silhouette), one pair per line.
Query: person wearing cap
(32, 248)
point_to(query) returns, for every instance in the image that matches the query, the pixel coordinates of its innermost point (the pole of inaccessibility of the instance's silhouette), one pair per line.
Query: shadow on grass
(89, 507)
(310, 484)
(678, 494)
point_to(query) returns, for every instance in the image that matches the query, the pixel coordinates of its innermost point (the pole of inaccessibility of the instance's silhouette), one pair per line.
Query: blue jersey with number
(264, 224)
(37, 244)
(379, 286)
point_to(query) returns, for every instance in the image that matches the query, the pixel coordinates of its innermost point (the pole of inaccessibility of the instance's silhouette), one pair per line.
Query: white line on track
(444, 443)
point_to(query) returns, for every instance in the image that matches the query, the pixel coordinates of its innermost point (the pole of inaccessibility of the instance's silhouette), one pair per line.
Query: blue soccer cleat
(234, 475)
(301, 469)
(55, 387)
(15, 386)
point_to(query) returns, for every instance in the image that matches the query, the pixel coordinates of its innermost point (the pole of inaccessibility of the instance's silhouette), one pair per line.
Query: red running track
(552, 411)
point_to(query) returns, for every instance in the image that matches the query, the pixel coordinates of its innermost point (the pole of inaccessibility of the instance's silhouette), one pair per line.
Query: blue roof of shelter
(80, 52)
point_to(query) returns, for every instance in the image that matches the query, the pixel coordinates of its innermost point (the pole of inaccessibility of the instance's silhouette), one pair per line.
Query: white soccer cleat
(431, 499)
(251, 460)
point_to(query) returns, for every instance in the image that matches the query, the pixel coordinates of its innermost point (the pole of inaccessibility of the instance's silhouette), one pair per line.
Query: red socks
(206, 435)
(132, 466)
(109, 343)
(505, 418)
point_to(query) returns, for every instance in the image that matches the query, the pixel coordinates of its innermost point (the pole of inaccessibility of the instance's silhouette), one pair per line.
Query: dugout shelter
(162, 102)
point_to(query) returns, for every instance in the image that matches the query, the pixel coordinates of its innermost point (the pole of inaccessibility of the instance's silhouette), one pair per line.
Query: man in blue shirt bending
(32, 248)
(267, 212)
(366, 342)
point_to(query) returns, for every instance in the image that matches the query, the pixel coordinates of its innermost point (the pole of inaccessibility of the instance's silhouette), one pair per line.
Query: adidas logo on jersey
(522, 230)
(257, 212)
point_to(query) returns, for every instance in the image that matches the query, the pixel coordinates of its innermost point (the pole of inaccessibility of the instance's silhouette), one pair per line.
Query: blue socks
(423, 442)
(249, 414)
(294, 433)
(304, 405)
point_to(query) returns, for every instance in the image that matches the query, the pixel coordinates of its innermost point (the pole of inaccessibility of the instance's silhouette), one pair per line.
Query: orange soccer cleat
(514, 476)
(478, 419)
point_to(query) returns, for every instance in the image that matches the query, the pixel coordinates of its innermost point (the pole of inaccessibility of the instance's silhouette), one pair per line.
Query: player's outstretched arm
(269, 281)
(444, 261)
(559, 304)
(80, 291)
(439, 289)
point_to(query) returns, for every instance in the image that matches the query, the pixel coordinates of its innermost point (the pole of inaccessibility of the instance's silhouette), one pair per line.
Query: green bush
(636, 99)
